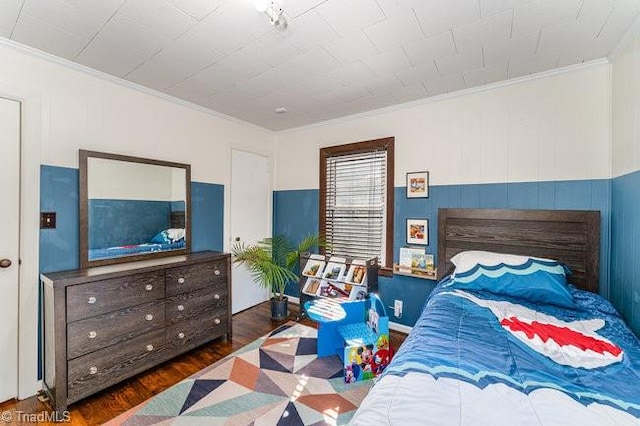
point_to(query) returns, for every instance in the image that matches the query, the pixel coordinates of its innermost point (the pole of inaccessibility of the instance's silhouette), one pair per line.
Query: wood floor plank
(248, 325)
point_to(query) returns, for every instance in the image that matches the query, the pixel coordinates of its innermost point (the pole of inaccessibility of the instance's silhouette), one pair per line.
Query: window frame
(386, 144)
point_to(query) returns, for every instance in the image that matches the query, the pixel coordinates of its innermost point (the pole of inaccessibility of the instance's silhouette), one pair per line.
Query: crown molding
(22, 48)
(634, 30)
(459, 93)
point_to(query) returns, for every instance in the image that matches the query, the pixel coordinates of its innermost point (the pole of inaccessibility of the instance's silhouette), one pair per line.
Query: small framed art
(418, 231)
(418, 185)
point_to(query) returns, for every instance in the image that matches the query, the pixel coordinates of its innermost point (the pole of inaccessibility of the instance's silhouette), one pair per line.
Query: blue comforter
(587, 351)
(112, 252)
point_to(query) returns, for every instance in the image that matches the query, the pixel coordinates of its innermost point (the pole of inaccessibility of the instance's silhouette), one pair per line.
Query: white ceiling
(338, 57)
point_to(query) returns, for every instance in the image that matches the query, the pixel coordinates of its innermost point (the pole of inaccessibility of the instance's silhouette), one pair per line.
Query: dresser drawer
(199, 330)
(195, 303)
(91, 334)
(99, 297)
(98, 370)
(192, 277)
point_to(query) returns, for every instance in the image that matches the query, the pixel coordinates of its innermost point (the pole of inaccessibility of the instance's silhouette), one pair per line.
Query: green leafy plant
(272, 261)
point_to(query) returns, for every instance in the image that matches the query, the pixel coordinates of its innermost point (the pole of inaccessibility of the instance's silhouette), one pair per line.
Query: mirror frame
(84, 155)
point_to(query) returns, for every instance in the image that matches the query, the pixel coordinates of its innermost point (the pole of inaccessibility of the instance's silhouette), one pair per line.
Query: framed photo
(418, 185)
(418, 231)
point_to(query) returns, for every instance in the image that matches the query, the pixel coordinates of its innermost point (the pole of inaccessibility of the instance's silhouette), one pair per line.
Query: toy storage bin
(367, 351)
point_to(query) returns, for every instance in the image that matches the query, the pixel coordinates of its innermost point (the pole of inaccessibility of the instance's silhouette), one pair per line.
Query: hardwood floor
(95, 410)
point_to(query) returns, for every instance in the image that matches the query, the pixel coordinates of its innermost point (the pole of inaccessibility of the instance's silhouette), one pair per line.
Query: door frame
(32, 119)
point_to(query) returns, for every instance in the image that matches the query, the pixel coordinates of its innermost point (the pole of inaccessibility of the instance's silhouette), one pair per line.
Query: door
(9, 245)
(250, 220)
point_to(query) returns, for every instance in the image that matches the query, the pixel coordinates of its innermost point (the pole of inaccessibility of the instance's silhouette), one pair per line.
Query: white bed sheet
(419, 399)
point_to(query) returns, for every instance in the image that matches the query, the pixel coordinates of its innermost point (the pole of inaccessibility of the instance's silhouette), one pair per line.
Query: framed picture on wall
(418, 185)
(418, 231)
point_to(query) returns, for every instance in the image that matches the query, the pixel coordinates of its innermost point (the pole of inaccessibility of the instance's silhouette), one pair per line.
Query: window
(356, 199)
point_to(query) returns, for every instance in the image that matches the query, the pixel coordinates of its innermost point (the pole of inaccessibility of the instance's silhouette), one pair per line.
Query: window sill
(385, 271)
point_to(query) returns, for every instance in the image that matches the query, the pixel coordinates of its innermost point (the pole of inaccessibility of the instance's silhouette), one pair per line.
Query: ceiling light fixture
(274, 11)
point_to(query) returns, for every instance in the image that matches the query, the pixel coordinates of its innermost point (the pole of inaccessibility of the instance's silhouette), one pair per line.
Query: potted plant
(271, 263)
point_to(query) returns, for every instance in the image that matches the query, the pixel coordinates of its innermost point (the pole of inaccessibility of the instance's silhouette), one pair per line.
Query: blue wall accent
(296, 215)
(625, 248)
(116, 223)
(178, 206)
(207, 214)
(59, 247)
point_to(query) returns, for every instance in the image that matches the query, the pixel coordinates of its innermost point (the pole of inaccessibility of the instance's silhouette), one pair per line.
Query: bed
(129, 250)
(513, 340)
(165, 240)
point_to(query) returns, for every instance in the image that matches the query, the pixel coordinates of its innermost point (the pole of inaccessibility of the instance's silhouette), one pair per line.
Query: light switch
(47, 220)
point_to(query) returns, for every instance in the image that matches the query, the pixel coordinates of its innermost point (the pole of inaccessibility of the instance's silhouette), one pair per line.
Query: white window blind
(355, 204)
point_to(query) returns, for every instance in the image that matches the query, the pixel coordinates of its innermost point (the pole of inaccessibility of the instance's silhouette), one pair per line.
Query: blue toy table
(330, 314)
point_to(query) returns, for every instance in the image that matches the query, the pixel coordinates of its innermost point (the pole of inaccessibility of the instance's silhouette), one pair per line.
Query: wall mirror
(132, 208)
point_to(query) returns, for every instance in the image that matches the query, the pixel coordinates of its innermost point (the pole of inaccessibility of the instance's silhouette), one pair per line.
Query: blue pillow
(169, 236)
(161, 237)
(537, 281)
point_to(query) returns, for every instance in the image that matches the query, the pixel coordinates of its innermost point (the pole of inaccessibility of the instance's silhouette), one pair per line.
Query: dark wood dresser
(105, 324)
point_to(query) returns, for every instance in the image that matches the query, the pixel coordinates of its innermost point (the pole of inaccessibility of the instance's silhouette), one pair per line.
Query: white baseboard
(294, 300)
(400, 327)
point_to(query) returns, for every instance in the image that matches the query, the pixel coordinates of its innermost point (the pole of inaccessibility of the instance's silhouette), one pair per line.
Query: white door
(250, 220)
(9, 239)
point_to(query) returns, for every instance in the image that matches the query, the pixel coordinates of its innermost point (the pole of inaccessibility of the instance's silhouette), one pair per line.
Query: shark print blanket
(480, 357)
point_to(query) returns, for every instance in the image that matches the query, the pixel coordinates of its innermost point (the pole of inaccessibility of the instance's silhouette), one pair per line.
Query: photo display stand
(336, 277)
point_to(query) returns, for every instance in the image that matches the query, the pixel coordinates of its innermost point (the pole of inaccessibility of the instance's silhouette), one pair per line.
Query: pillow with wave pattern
(534, 280)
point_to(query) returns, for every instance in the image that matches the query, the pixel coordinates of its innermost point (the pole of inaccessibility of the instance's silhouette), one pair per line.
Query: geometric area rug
(275, 380)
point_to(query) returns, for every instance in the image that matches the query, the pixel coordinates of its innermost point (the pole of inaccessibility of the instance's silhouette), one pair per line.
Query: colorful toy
(366, 344)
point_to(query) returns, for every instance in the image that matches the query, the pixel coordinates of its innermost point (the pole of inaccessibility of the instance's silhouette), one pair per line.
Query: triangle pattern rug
(276, 380)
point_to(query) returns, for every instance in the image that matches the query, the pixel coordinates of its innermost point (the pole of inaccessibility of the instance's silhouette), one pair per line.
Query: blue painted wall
(625, 247)
(59, 247)
(126, 222)
(296, 215)
(207, 214)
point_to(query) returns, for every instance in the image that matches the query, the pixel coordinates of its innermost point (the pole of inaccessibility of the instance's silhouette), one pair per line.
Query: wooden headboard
(568, 236)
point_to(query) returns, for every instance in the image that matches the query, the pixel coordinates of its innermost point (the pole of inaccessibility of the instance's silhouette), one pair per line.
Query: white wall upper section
(81, 110)
(626, 105)
(550, 128)
(121, 180)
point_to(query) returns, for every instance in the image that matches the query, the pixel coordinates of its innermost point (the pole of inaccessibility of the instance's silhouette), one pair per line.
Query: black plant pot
(279, 308)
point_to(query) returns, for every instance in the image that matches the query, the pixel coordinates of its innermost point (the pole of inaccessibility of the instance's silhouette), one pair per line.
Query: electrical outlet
(397, 308)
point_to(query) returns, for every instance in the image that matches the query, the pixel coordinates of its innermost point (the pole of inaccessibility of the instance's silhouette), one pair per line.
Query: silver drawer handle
(91, 300)
(148, 317)
(216, 272)
(93, 370)
(181, 308)
(181, 335)
(92, 334)
(149, 348)
(180, 280)
(148, 287)
(216, 296)
(217, 320)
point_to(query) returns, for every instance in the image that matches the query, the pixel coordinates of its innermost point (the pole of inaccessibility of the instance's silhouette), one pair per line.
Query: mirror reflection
(134, 208)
